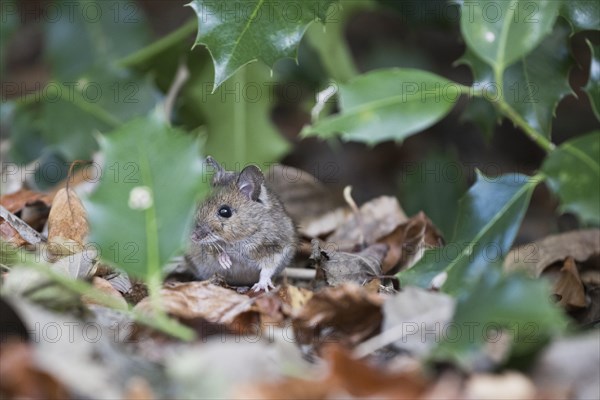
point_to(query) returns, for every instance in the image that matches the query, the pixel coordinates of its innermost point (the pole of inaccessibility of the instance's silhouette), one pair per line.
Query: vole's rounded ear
(221, 176)
(250, 182)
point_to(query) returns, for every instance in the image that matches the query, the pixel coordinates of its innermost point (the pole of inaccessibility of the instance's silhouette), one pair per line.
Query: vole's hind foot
(263, 284)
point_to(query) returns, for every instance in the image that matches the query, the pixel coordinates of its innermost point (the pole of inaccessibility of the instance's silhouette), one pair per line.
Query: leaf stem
(160, 45)
(517, 119)
(154, 277)
(163, 324)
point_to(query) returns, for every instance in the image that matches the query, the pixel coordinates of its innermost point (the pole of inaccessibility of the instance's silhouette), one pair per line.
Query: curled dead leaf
(347, 313)
(10, 235)
(535, 257)
(569, 288)
(339, 267)
(32, 207)
(376, 218)
(347, 378)
(408, 242)
(192, 300)
(67, 222)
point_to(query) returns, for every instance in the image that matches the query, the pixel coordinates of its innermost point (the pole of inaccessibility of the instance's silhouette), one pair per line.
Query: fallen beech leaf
(415, 319)
(569, 287)
(509, 385)
(67, 222)
(347, 378)
(217, 368)
(10, 235)
(105, 287)
(537, 256)
(15, 202)
(32, 207)
(378, 218)
(191, 300)
(408, 242)
(348, 312)
(80, 265)
(20, 377)
(324, 224)
(362, 380)
(25, 231)
(271, 310)
(339, 267)
(295, 297)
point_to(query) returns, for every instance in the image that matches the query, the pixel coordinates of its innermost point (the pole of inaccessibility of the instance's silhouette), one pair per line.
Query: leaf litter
(344, 334)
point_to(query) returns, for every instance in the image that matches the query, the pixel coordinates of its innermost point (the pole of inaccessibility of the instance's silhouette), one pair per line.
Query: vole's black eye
(225, 211)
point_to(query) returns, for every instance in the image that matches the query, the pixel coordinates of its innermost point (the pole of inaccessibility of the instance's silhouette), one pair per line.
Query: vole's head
(237, 208)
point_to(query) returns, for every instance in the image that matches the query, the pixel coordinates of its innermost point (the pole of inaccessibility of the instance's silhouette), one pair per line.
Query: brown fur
(258, 235)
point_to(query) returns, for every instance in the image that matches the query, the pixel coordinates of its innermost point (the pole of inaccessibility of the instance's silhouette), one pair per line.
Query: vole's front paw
(224, 260)
(263, 284)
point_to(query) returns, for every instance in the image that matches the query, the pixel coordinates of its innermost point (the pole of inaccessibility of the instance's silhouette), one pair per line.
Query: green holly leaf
(140, 212)
(330, 42)
(388, 104)
(501, 32)
(97, 33)
(581, 14)
(573, 173)
(489, 216)
(239, 32)
(537, 83)
(483, 115)
(534, 85)
(512, 309)
(239, 130)
(592, 88)
(66, 116)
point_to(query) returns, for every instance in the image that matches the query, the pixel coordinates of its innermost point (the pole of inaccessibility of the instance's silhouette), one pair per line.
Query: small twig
(28, 233)
(181, 77)
(304, 274)
(350, 201)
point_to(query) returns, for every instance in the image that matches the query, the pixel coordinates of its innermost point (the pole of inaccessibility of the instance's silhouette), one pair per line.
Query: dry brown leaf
(408, 241)
(190, 300)
(32, 207)
(15, 202)
(347, 378)
(21, 378)
(67, 222)
(105, 287)
(348, 312)
(339, 267)
(295, 297)
(324, 224)
(537, 256)
(10, 235)
(378, 218)
(569, 287)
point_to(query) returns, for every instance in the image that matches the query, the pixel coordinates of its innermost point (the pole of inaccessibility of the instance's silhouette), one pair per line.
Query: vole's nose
(200, 232)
